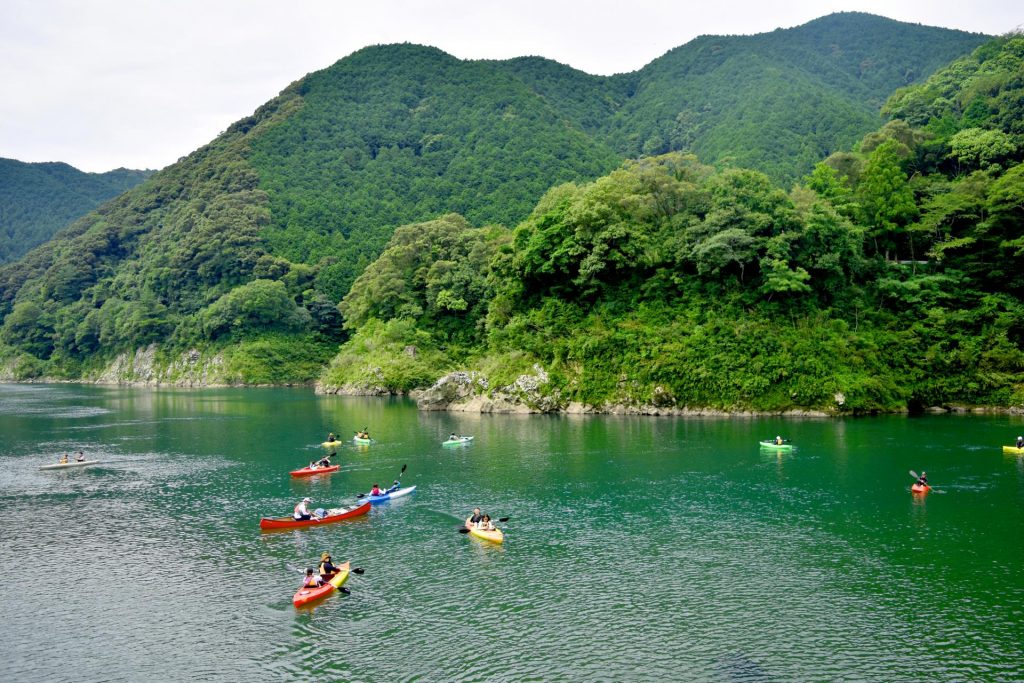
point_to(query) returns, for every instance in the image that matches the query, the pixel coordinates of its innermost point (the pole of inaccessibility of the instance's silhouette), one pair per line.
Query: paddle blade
(360, 495)
(344, 590)
(502, 519)
(403, 470)
(914, 474)
(359, 570)
(462, 530)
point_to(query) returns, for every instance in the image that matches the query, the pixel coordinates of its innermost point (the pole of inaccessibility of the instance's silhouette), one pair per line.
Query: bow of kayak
(1013, 449)
(304, 596)
(918, 488)
(493, 535)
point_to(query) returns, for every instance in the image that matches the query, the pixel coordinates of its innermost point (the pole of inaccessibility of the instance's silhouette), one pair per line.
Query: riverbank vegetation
(884, 281)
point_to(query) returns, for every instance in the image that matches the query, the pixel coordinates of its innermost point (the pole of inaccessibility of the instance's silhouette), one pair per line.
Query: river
(647, 549)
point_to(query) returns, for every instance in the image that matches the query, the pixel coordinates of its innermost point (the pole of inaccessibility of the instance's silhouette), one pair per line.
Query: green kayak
(777, 446)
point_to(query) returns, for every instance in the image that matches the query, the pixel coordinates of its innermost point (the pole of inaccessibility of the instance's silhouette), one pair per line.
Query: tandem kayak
(310, 471)
(457, 442)
(779, 446)
(335, 515)
(1013, 449)
(365, 442)
(918, 488)
(65, 465)
(388, 496)
(494, 536)
(307, 595)
(332, 444)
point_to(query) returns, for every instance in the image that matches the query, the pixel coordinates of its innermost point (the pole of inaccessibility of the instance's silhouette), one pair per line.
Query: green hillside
(37, 200)
(886, 281)
(239, 253)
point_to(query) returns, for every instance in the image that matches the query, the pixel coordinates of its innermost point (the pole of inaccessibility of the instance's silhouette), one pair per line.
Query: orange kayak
(918, 488)
(310, 471)
(307, 595)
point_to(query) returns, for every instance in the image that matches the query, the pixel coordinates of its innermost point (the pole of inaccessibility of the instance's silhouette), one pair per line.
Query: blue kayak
(397, 493)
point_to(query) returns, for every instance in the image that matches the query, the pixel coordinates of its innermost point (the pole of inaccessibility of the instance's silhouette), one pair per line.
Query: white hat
(307, 500)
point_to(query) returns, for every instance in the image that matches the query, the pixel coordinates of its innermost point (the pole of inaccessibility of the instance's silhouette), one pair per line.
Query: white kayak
(65, 465)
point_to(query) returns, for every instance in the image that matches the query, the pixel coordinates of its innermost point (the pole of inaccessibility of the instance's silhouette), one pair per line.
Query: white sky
(138, 83)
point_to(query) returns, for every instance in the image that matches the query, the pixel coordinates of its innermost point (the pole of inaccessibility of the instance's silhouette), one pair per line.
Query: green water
(638, 548)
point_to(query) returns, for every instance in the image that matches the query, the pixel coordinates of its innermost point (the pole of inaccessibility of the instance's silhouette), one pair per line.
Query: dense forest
(256, 256)
(37, 200)
(884, 280)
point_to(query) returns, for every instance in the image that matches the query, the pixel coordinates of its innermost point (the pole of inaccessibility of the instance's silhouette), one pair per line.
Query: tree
(886, 198)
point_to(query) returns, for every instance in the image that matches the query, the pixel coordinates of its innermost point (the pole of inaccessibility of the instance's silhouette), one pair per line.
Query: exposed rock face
(189, 369)
(470, 392)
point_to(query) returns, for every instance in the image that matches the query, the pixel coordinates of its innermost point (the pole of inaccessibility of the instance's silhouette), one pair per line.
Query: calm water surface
(638, 548)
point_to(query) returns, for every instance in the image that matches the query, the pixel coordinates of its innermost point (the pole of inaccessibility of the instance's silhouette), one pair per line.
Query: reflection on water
(636, 549)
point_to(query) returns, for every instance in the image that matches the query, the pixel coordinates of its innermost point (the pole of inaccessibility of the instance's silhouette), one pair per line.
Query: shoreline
(502, 406)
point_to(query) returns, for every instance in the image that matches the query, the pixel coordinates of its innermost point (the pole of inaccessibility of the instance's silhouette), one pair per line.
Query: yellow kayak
(495, 536)
(1013, 449)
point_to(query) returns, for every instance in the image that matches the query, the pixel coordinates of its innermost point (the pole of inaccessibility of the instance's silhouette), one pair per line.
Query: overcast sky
(138, 83)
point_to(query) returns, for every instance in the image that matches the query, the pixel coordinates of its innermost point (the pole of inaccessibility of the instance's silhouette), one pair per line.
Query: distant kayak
(1013, 449)
(388, 496)
(332, 516)
(359, 440)
(457, 442)
(307, 595)
(65, 465)
(332, 444)
(920, 488)
(779, 446)
(310, 471)
(494, 536)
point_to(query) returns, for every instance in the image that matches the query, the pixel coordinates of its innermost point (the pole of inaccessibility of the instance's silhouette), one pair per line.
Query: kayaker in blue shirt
(327, 568)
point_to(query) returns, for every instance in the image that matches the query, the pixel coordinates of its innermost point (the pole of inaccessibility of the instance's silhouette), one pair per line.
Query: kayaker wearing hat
(301, 511)
(327, 567)
(1020, 442)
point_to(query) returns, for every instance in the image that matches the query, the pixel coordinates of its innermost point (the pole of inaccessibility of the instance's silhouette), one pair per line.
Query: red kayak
(918, 488)
(333, 516)
(310, 471)
(307, 595)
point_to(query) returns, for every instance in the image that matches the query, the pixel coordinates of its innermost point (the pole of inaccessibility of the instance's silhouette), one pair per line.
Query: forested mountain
(37, 200)
(886, 280)
(245, 247)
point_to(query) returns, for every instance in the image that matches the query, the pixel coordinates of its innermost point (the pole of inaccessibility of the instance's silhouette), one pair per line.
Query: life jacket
(311, 582)
(327, 568)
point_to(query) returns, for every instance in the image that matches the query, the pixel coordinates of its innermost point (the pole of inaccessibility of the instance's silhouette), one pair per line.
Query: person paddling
(63, 459)
(331, 438)
(923, 479)
(474, 519)
(80, 457)
(376, 491)
(1020, 442)
(301, 512)
(327, 567)
(778, 440)
(325, 461)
